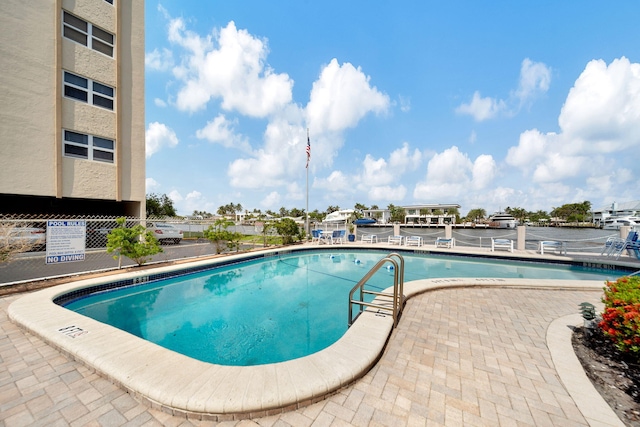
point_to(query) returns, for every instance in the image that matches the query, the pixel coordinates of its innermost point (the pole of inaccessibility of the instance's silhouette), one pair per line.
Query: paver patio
(474, 356)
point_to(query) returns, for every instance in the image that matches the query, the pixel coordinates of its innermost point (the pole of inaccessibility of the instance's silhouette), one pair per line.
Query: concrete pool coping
(184, 386)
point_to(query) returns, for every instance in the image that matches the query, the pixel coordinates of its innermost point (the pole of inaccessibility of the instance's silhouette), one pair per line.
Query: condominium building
(72, 107)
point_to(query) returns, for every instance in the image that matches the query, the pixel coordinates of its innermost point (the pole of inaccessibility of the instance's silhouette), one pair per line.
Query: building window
(83, 32)
(109, 1)
(88, 147)
(86, 90)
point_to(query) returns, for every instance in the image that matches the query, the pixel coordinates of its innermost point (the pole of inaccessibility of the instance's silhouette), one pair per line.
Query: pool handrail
(398, 290)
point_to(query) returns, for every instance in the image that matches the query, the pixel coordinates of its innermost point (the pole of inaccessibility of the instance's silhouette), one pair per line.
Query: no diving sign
(65, 241)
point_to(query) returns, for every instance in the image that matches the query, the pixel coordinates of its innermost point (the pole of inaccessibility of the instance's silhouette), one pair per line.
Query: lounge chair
(629, 243)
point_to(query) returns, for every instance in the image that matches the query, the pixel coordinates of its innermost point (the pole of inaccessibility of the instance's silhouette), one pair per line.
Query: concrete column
(624, 231)
(448, 231)
(396, 229)
(522, 236)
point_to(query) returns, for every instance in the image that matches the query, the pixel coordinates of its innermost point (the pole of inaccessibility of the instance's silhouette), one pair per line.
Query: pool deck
(473, 352)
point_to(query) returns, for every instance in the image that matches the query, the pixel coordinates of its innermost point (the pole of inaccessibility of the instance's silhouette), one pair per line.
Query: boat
(615, 222)
(365, 221)
(339, 216)
(502, 220)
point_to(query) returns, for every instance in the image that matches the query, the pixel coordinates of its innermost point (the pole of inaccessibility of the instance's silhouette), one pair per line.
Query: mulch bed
(616, 376)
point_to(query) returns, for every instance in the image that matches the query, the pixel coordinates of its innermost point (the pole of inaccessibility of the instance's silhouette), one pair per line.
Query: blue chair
(629, 243)
(316, 235)
(338, 236)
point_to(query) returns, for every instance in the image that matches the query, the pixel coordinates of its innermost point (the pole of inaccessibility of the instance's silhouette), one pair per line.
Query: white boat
(502, 220)
(339, 216)
(615, 222)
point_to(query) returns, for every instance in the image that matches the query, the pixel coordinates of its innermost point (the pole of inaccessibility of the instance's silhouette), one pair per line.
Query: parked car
(29, 238)
(165, 233)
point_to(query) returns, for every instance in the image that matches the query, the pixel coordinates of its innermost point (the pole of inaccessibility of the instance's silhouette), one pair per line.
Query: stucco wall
(27, 98)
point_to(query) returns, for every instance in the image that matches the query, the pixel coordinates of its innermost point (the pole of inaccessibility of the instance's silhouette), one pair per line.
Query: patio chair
(316, 235)
(501, 244)
(442, 242)
(629, 243)
(369, 238)
(608, 245)
(413, 241)
(338, 236)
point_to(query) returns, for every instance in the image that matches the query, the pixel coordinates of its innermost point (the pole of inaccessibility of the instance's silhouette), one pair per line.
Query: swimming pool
(183, 385)
(269, 310)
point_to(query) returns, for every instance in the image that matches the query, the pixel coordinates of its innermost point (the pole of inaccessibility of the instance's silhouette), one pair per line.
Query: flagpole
(308, 157)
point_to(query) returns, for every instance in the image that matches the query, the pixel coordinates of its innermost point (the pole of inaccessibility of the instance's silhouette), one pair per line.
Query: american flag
(308, 151)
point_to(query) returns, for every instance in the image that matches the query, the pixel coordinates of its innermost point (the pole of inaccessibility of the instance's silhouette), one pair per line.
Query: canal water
(576, 239)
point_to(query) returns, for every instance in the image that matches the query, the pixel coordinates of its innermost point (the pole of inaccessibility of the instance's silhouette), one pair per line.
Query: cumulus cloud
(151, 185)
(600, 118)
(271, 200)
(221, 131)
(451, 173)
(482, 108)
(341, 97)
(229, 65)
(157, 137)
(159, 60)
(535, 79)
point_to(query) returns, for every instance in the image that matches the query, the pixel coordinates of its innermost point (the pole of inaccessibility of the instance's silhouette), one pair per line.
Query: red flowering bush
(621, 316)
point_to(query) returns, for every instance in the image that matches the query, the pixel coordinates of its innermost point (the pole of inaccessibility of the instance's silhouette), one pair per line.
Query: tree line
(572, 212)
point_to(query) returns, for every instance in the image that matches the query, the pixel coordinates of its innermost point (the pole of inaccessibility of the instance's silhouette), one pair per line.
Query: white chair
(501, 244)
(369, 238)
(442, 242)
(395, 240)
(552, 244)
(413, 241)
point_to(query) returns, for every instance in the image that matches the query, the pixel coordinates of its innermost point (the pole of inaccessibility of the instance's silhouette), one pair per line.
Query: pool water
(277, 308)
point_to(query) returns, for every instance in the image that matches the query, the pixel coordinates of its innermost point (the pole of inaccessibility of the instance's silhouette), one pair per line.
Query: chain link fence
(23, 245)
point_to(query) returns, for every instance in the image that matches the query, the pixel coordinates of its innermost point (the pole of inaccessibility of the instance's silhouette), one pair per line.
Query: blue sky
(484, 104)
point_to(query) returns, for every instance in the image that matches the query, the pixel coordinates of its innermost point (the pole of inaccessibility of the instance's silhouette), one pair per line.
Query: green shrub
(136, 243)
(621, 316)
(221, 237)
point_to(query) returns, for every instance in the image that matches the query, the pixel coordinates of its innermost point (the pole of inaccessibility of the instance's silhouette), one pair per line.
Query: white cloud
(482, 108)
(159, 60)
(600, 119)
(271, 200)
(387, 193)
(535, 78)
(405, 103)
(221, 131)
(451, 173)
(341, 97)
(151, 185)
(158, 136)
(159, 102)
(231, 66)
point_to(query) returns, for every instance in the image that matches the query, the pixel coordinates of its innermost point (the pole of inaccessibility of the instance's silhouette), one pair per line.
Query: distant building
(616, 209)
(72, 130)
(434, 214)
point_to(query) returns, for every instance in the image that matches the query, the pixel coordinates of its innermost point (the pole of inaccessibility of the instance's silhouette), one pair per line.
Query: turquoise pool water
(277, 308)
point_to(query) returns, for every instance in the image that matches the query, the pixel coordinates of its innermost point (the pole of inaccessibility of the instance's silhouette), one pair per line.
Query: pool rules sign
(65, 241)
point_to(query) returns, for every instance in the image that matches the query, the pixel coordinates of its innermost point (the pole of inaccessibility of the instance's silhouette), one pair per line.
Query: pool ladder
(384, 302)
